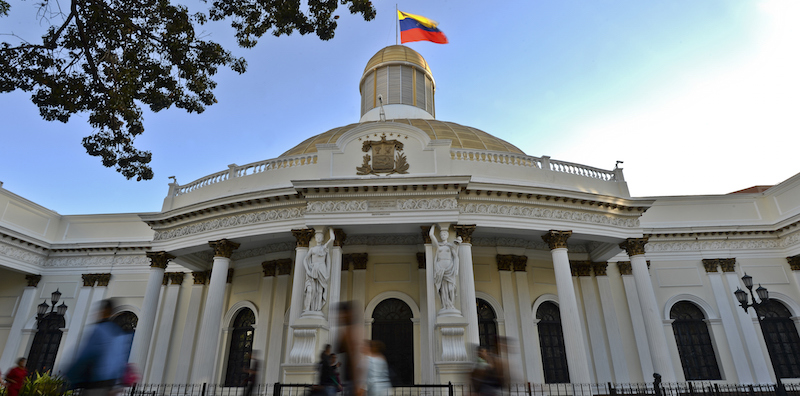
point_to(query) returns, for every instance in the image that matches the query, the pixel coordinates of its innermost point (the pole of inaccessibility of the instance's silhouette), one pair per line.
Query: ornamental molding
(350, 206)
(547, 213)
(427, 204)
(523, 243)
(696, 246)
(385, 239)
(259, 251)
(98, 261)
(387, 157)
(265, 216)
(23, 255)
(336, 207)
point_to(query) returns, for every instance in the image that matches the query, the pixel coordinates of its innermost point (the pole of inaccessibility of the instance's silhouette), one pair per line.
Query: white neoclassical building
(590, 284)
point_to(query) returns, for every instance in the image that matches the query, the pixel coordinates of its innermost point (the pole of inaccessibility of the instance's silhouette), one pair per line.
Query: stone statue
(445, 266)
(318, 270)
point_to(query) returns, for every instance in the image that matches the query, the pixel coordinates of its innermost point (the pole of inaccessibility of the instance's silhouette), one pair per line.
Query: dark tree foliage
(107, 58)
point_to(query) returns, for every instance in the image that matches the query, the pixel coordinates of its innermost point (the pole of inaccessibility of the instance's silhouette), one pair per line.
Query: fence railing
(544, 163)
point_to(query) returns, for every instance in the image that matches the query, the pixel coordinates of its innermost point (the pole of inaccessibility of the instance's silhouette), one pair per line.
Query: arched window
(45, 343)
(780, 335)
(694, 342)
(127, 320)
(487, 325)
(392, 325)
(551, 340)
(241, 347)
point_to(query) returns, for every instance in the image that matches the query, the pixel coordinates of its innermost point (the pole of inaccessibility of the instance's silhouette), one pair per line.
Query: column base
(456, 373)
(299, 373)
(450, 332)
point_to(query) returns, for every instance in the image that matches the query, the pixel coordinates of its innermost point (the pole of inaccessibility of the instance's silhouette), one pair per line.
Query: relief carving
(387, 157)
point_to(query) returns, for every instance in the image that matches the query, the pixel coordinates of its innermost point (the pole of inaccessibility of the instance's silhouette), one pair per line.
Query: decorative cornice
(340, 237)
(580, 267)
(269, 268)
(634, 246)
(710, 264)
(33, 280)
(555, 201)
(223, 247)
(421, 260)
(427, 204)
(625, 268)
(794, 262)
(255, 252)
(465, 232)
(200, 277)
(84, 261)
(426, 234)
(303, 236)
(21, 254)
(336, 206)
(556, 239)
(283, 266)
(176, 278)
(384, 239)
(265, 216)
(696, 246)
(103, 279)
(159, 259)
(533, 212)
(505, 262)
(600, 268)
(359, 260)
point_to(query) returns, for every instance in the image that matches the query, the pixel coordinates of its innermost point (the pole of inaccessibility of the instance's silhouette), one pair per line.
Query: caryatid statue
(317, 264)
(445, 266)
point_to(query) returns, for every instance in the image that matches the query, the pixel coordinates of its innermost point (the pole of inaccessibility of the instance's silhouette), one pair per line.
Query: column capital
(346, 260)
(89, 279)
(33, 280)
(520, 263)
(102, 279)
(625, 268)
(223, 247)
(340, 237)
(580, 267)
(794, 262)
(465, 232)
(556, 239)
(505, 262)
(728, 264)
(600, 268)
(159, 259)
(426, 236)
(200, 277)
(269, 268)
(283, 266)
(176, 278)
(710, 264)
(421, 260)
(303, 236)
(165, 279)
(634, 246)
(359, 261)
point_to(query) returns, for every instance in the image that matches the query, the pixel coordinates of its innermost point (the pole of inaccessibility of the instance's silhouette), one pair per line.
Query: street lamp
(41, 309)
(763, 298)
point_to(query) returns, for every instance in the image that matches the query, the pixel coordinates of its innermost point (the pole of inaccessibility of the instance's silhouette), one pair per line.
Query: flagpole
(396, 23)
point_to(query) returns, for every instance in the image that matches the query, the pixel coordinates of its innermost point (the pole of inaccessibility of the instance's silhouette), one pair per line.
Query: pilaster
(163, 337)
(24, 309)
(185, 358)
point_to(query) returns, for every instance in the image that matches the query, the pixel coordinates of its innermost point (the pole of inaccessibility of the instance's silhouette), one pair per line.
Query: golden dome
(461, 136)
(397, 53)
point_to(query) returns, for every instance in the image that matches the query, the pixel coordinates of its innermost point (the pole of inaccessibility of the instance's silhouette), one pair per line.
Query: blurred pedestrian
(102, 361)
(326, 381)
(253, 365)
(378, 382)
(16, 378)
(349, 344)
(335, 367)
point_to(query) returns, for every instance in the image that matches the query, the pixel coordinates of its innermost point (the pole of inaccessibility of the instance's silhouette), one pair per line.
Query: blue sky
(696, 97)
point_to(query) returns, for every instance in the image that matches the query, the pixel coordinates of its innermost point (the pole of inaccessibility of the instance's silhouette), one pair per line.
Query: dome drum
(397, 75)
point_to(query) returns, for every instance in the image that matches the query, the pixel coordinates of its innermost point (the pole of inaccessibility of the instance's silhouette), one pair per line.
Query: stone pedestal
(309, 335)
(452, 360)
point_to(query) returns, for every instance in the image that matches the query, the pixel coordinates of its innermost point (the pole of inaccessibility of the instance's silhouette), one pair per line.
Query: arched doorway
(127, 320)
(695, 348)
(45, 343)
(392, 325)
(240, 348)
(551, 341)
(780, 335)
(487, 325)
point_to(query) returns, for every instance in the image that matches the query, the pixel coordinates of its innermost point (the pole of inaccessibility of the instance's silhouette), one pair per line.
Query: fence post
(716, 389)
(133, 389)
(450, 389)
(276, 389)
(611, 390)
(691, 389)
(529, 389)
(203, 390)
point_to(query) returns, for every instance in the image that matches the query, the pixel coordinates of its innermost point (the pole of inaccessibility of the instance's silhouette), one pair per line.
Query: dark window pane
(551, 340)
(393, 326)
(694, 342)
(487, 325)
(241, 347)
(780, 335)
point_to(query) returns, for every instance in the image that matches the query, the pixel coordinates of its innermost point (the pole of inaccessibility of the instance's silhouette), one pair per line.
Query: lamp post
(41, 309)
(763, 298)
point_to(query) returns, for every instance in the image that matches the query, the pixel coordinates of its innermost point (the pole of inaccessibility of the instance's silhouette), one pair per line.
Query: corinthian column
(467, 279)
(654, 327)
(577, 360)
(208, 341)
(147, 318)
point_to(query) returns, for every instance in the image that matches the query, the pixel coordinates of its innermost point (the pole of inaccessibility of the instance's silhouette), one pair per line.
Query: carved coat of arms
(387, 157)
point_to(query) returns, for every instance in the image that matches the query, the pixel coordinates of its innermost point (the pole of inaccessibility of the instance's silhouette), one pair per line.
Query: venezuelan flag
(418, 28)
